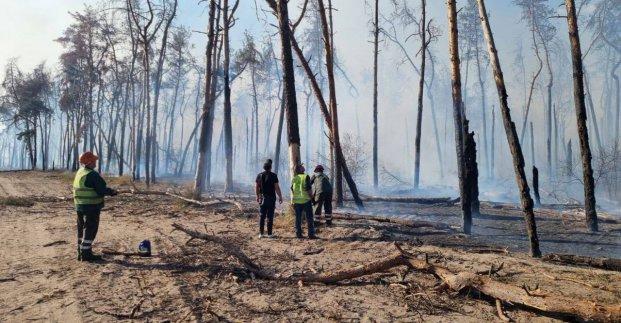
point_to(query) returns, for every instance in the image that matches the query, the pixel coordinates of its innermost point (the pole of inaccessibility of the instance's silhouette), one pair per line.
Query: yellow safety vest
(83, 195)
(299, 194)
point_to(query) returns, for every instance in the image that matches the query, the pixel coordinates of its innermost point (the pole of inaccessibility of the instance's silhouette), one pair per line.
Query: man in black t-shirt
(266, 188)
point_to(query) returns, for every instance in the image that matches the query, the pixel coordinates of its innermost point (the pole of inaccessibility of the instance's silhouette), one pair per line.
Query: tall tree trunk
(432, 108)
(458, 117)
(201, 168)
(291, 106)
(512, 137)
(421, 86)
(532, 144)
(615, 77)
(338, 154)
(281, 119)
(556, 162)
(156, 94)
(581, 117)
(375, 130)
(493, 146)
(589, 97)
(569, 163)
(548, 106)
(216, 55)
(483, 114)
(323, 108)
(255, 117)
(228, 123)
(532, 83)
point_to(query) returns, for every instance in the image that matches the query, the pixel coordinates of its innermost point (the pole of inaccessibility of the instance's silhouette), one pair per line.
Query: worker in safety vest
(301, 201)
(89, 189)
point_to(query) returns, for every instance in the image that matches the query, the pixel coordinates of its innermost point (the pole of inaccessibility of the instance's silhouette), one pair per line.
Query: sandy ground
(41, 280)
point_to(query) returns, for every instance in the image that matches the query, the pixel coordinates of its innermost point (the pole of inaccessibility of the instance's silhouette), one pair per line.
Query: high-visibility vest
(84, 195)
(299, 194)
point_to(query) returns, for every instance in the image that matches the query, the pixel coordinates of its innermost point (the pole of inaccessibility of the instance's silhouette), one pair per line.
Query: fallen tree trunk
(602, 263)
(398, 199)
(405, 222)
(216, 201)
(550, 304)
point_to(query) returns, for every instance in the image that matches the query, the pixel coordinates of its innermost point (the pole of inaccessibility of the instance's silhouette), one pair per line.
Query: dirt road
(41, 280)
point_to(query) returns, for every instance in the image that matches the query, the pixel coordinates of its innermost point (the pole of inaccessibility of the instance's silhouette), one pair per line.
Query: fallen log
(405, 222)
(405, 199)
(551, 304)
(208, 203)
(602, 263)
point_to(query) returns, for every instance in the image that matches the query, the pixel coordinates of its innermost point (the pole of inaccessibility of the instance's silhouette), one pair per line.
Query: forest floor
(41, 280)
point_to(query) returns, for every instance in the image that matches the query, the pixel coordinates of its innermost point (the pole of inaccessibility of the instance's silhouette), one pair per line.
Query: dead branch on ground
(602, 263)
(405, 222)
(551, 303)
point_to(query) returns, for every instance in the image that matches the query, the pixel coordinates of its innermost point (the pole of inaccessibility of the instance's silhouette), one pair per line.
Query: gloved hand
(113, 192)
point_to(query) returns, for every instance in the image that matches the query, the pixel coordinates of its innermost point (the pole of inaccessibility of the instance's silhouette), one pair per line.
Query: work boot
(87, 255)
(329, 223)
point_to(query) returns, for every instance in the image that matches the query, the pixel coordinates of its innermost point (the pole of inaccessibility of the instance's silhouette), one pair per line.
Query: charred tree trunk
(375, 130)
(228, 124)
(421, 86)
(532, 145)
(472, 170)
(512, 137)
(458, 118)
(201, 168)
(569, 163)
(581, 117)
(536, 186)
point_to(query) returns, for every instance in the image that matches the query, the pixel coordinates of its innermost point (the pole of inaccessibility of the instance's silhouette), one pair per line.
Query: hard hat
(318, 168)
(88, 158)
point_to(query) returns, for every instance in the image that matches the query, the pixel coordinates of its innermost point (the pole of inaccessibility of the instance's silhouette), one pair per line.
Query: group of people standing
(309, 196)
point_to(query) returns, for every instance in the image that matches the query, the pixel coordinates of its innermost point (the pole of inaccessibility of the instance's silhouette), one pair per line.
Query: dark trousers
(268, 205)
(324, 200)
(88, 224)
(308, 209)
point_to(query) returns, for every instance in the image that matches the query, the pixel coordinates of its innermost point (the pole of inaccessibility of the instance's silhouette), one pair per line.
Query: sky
(30, 27)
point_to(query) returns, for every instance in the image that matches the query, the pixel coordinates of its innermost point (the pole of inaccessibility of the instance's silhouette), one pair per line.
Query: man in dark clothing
(266, 188)
(322, 194)
(89, 189)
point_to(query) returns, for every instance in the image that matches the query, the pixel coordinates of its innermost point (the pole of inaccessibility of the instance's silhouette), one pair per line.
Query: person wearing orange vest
(89, 189)
(301, 201)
